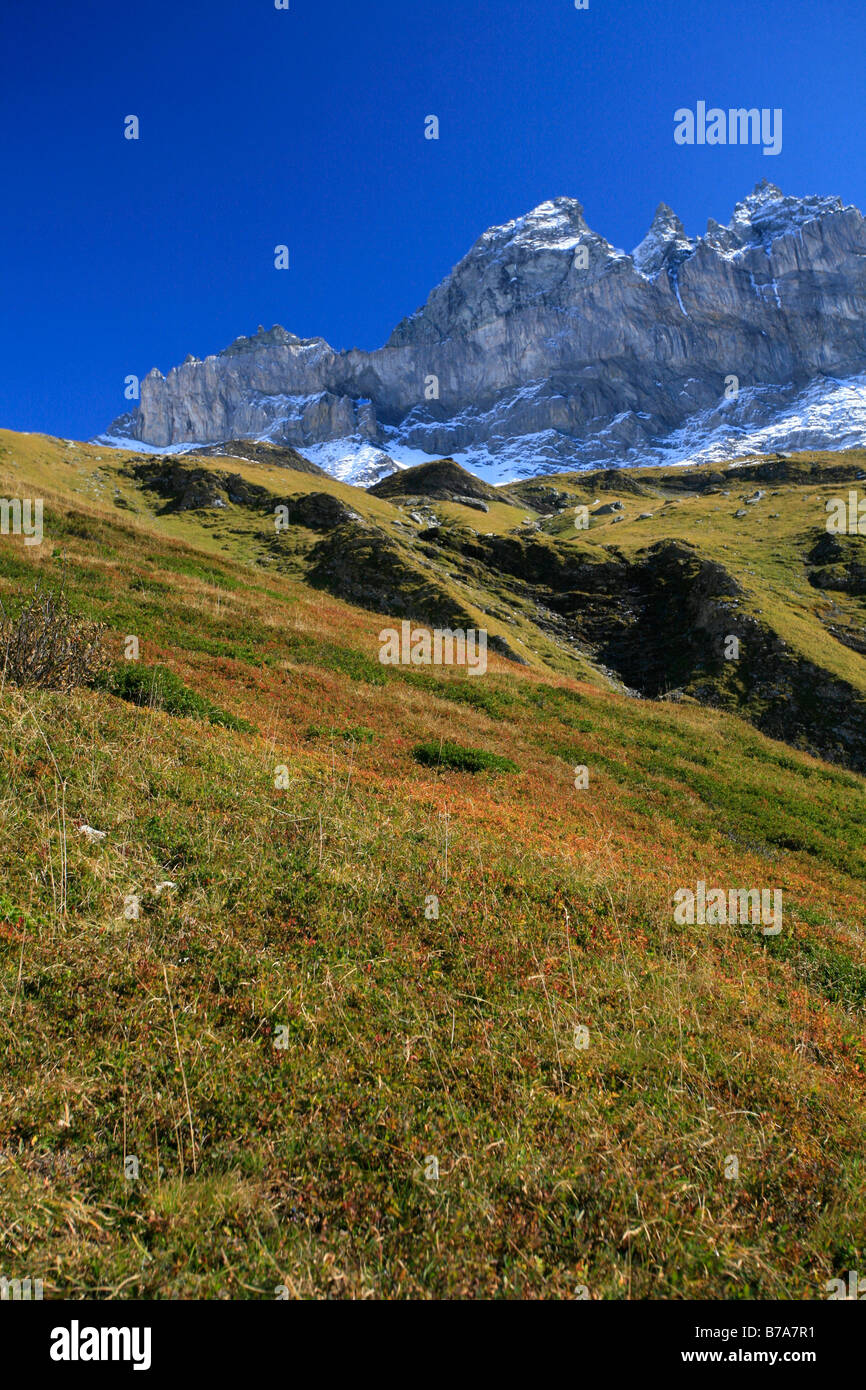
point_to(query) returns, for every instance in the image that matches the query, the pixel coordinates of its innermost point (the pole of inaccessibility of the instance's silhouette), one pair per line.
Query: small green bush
(453, 757)
(159, 688)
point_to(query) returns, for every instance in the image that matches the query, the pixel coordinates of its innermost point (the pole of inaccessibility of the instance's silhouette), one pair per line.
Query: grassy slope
(304, 908)
(763, 549)
(59, 469)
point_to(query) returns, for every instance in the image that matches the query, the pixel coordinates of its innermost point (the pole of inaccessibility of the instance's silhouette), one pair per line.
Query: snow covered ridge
(827, 414)
(546, 346)
(757, 221)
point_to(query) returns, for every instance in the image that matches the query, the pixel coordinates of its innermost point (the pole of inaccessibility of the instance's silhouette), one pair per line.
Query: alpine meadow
(433, 777)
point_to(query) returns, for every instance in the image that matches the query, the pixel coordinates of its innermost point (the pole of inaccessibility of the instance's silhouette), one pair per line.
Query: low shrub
(453, 757)
(47, 646)
(159, 688)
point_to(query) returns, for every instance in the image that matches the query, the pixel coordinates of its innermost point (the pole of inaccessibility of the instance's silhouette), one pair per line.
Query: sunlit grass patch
(156, 687)
(453, 757)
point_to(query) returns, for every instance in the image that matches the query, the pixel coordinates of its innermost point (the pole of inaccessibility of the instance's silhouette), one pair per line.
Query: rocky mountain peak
(442, 478)
(558, 224)
(510, 267)
(664, 245)
(764, 194)
(767, 213)
(263, 338)
(546, 347)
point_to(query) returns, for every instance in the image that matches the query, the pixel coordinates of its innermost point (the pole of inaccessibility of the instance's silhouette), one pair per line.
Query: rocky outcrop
(839, 564)
(548, 347)
(660, 620)
(362, 564)
(444, 480)
(319, 511)
(184, 488)
(253, 451)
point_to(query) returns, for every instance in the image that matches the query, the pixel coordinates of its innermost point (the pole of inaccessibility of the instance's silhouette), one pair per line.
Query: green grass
(360, 964)
(354, 733)
(474, 691)
(827, 971)
(453, 757)
(156, 687)
(329, 656)
(219, 578)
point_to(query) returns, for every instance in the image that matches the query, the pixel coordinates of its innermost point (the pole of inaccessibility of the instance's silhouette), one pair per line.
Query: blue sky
(306, 127)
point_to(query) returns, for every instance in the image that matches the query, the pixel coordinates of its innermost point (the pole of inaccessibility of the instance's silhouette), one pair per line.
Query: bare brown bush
(47, 646)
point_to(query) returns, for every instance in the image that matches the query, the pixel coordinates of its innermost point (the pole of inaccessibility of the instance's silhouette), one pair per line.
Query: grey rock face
(545, 330)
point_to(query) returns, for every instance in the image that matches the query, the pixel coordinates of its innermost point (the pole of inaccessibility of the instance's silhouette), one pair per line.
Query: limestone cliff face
(546, 338)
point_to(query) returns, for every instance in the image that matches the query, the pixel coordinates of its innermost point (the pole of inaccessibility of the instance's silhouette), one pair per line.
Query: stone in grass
(93, 837)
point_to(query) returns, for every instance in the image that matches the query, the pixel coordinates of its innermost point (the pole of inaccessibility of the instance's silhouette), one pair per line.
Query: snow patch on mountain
(827, 414)
(137, 446)
(355, 460)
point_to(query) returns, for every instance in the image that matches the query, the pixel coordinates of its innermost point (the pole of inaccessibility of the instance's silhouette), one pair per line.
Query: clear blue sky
(306, 127)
